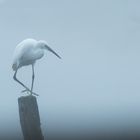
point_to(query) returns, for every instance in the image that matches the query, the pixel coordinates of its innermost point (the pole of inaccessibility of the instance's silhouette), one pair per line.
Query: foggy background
(95, 88)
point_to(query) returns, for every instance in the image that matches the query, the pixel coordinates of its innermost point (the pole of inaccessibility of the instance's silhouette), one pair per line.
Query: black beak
(49, 49)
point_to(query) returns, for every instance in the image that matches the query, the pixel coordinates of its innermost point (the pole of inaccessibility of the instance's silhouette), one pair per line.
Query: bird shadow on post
(29, 118)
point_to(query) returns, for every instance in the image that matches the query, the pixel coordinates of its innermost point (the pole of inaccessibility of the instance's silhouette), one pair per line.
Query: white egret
(26, 53)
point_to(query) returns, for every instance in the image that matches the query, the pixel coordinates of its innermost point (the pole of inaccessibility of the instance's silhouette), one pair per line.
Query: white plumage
(26, 53)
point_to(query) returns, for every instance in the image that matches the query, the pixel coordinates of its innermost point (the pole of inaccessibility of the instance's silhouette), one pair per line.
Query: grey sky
(97, 83)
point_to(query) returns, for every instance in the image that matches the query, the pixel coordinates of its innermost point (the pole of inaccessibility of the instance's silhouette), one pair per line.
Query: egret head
(43, 45)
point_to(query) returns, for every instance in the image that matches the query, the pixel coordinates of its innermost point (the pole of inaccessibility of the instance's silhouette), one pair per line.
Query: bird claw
(25, 90)
(29, 92)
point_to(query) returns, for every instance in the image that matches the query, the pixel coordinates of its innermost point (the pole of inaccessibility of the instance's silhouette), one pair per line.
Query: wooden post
(29, 118)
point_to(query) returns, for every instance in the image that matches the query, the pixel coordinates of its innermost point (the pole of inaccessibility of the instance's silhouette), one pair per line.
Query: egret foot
(29, 92)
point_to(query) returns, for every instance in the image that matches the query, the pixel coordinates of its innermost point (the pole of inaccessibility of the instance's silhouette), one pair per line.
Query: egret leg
(26, 88)
(15, 78)
(33, 76)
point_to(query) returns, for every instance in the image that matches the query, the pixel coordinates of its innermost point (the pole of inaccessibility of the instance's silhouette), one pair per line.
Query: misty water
(95, 88)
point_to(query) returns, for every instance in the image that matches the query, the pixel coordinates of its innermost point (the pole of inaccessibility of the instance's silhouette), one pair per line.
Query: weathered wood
(29, 118)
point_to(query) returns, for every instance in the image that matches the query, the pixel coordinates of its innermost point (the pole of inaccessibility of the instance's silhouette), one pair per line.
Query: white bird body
(26, 53)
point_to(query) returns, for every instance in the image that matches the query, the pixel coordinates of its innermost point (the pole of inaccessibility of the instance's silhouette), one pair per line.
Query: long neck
(38, 52)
